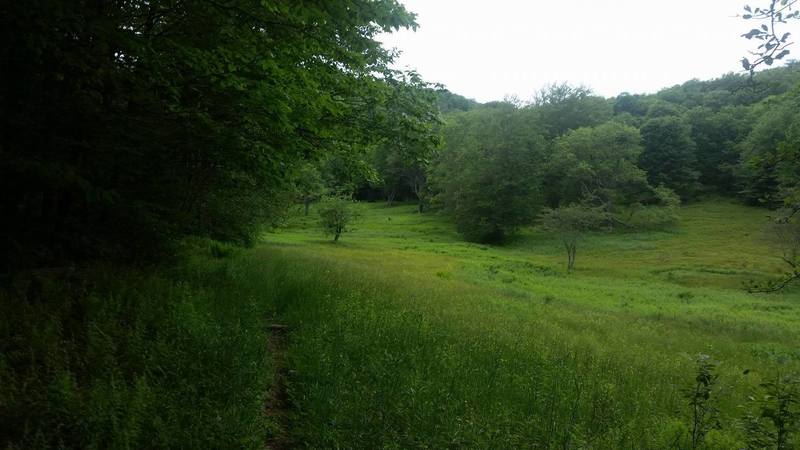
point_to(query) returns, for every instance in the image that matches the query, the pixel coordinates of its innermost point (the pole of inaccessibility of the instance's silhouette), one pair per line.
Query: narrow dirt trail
(277, 404)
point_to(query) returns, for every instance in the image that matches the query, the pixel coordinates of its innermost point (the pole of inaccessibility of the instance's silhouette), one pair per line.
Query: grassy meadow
(191, 257)
(404, 336)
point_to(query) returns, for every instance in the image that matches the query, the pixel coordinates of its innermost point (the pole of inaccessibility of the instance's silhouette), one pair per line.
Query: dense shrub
(488, 176)
(336, 215)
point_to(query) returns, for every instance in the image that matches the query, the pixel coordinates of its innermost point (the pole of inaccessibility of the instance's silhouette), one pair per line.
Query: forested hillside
(160, 124)
(719, 136)
(236, 224)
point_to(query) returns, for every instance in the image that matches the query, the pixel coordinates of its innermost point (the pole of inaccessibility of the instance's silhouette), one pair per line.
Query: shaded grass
(111, 357)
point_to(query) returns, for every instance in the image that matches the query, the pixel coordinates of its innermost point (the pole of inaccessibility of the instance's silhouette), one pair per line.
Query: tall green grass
(111, 357)
(378, 366)
(402, 336)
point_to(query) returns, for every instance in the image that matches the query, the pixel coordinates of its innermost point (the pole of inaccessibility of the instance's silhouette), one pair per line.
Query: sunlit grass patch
(407, 334)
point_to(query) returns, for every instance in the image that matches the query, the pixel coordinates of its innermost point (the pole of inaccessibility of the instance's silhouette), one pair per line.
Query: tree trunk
(337, 233)
(571, 248)
(569, 257)
(572, 259)
(306, 204)
(390, 197)
(418, 187)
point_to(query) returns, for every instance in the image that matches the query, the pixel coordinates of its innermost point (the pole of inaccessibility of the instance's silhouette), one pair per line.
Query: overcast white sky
(490, 48)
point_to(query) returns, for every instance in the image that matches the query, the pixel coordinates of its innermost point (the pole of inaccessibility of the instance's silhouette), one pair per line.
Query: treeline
(129, 126)
(126, 126)
(629, 158)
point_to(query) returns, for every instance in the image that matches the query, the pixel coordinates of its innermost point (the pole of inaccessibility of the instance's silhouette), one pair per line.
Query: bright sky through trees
(489, 49)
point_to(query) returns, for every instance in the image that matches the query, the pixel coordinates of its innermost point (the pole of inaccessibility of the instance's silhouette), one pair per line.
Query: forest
(236, 224)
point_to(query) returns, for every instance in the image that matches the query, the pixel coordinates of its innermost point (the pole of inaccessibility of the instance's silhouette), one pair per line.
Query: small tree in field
(784, 234)
(336, 216)
(571, 223)
(705, 415)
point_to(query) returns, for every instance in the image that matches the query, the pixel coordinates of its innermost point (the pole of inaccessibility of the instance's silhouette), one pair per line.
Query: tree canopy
(669, 154)
(489, 174)
(129, 124)
(600, 161)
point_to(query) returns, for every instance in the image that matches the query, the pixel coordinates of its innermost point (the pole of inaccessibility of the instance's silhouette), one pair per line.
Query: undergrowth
(113, 357)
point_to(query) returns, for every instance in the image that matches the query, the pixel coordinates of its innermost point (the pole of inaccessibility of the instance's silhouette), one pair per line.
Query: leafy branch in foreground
(774, 43)
(778, 414)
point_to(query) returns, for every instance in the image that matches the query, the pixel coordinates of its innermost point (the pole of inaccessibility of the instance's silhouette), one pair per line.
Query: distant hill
(450, 102)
